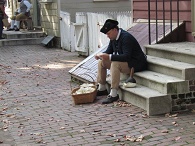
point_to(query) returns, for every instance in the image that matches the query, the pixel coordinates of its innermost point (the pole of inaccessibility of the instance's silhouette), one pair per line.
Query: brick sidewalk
(36, 108)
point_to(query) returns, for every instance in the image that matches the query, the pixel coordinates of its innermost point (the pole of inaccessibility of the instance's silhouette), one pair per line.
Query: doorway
(36, 13)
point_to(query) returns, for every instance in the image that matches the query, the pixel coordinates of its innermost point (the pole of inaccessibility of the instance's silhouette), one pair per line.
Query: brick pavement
(36, 108)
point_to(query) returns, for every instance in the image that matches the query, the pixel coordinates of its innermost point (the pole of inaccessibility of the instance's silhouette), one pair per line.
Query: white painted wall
(84, 36)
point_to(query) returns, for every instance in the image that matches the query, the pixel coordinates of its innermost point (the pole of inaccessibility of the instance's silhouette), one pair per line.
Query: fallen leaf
(145, 116)
(177, 138)
(117, 140)
(174, 123)
(165, 131)
(112, 135)
(193, 111)
(167, 115)
(62, 128)
(140, 138)
(39, 141)
(3, 82)
(175, 115)
(82, 131)
(133, 139)
(9, 115)
(131, 114)
(97, 130)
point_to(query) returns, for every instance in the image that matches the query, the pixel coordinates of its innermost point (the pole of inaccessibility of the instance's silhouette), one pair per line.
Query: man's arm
(28, 5)
(126, 46)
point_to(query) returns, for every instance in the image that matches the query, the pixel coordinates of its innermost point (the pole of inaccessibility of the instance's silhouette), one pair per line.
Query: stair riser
(170, 88)
(21, 36)
(185, 74)
(153, 105)
(171, 55)
(21, 42)
(166, 70)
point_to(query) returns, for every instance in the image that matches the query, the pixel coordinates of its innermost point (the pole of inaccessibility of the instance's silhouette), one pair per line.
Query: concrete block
(183, 51)
(162, 83)
(170, 67)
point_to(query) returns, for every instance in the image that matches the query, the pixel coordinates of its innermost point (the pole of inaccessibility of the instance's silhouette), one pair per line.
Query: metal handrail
(163, 12)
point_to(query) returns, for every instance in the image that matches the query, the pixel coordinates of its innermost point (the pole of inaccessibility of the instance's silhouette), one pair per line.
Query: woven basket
(83, 98)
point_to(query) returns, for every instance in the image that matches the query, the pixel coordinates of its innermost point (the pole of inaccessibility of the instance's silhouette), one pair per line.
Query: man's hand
(102, 56)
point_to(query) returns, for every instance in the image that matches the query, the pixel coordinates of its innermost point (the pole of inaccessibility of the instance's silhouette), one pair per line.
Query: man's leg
(19, 17)
(101, 77)
(1, 28)
(115, 70)
(12, 23)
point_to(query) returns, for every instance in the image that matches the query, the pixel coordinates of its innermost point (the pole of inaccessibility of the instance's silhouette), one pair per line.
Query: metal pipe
(163, 18)
(171, 19)
(156, 21)
(177, 20)
(149, 22)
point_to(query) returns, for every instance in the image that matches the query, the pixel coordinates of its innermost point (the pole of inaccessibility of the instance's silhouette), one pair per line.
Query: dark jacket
(127, 49)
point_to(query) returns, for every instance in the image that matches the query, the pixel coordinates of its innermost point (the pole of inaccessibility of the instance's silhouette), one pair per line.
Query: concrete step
(148, 99)
(23, 34)
(26, 41)
(163, 83)
(183, 51)
(178, 69)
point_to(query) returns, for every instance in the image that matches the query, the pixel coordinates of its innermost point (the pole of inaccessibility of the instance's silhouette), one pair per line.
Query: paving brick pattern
(36, 108)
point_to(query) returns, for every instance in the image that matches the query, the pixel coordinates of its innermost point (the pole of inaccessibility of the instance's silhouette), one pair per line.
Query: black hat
(108, 25)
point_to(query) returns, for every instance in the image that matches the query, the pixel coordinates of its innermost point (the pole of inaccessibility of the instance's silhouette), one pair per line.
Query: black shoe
(10, 29)
(16, 29)
(110, 99)
(101, 93)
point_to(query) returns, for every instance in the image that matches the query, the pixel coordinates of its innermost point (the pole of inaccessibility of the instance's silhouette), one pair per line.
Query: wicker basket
(83, 98)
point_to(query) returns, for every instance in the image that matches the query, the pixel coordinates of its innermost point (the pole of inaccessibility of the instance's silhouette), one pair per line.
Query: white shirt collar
(119, 32)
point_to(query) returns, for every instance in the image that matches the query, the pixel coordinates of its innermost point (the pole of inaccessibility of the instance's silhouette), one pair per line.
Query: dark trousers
(1, 27)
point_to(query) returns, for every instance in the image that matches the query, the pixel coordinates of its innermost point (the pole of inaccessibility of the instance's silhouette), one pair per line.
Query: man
(123, 53)
(22, 13)
(2, 16)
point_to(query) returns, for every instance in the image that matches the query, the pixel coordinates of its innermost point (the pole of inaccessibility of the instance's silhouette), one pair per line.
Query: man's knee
(13, 17)
(115, 64)
(100, 63)
(18, 18)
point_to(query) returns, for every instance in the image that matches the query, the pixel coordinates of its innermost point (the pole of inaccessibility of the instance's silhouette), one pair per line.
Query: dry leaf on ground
(117, 140)
(165, 131)
(177, 138)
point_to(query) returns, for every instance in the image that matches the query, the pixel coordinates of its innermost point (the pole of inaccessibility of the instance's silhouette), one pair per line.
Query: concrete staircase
(22, 37)
(170, 68)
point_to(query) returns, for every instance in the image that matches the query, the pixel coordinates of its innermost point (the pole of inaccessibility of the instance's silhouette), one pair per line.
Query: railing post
(177, 20)
(171, 19)
(156, 21)
(149, 22)
(163, 18)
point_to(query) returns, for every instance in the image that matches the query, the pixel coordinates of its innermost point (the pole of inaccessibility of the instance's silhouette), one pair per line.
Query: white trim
(104, 0)
(193, 17)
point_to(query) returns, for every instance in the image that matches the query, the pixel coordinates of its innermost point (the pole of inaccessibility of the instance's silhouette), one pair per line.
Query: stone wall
(186, 101)
(50, 18)
(50, 22)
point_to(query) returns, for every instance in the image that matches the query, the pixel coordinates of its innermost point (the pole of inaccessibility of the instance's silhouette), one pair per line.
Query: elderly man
(22, 13)
(123, 53)
(2, 16)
